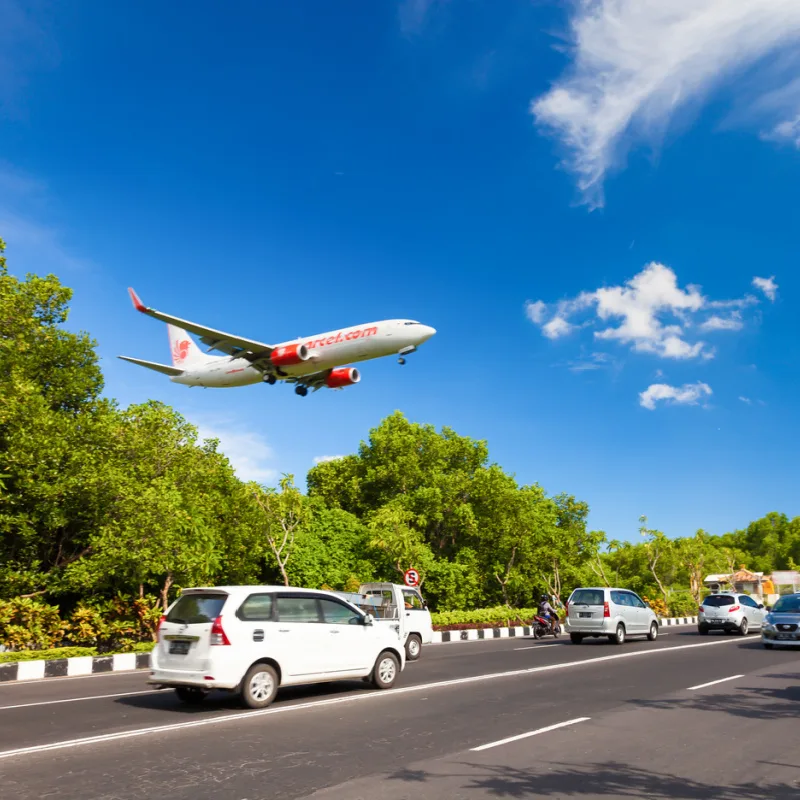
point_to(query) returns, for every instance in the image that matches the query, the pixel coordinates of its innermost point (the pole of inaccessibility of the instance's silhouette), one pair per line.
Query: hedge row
(499, 616)
(53, 653)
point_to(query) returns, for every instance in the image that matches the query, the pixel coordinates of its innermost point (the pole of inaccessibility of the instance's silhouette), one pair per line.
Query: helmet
(544, 597)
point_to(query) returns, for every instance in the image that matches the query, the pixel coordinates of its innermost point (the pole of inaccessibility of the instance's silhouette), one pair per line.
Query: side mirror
(761, 605)
(368, 619)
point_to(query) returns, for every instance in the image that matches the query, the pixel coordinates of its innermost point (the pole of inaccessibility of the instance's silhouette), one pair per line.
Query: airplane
(312, 363)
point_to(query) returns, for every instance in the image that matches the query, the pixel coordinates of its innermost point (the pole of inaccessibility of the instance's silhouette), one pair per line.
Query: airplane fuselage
(327, 350)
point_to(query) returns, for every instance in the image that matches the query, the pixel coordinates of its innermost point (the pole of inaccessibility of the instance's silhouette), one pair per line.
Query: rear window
(196, 609)
(718, 600)
(789, 604)
(587, 597)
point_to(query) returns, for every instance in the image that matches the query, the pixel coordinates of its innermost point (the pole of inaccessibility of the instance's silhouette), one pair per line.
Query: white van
(401, 605)
(254, 639)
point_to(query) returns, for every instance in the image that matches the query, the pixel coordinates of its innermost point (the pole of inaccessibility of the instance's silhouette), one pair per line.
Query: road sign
(411, 577)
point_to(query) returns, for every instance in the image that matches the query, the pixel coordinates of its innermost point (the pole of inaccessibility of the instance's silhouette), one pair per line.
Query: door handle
(334, 631)
(284, 630)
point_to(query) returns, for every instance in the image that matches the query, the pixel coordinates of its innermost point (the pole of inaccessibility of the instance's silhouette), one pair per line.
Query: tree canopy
(97, 500)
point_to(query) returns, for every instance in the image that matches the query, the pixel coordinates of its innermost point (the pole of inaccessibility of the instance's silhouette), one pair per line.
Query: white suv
(615, 613)
(253, 639)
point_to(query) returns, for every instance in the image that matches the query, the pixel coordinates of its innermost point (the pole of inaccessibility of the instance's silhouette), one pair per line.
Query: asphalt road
(645, 732)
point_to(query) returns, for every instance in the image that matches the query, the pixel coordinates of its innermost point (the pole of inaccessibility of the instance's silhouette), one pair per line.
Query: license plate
(585, 614)
(179, 648)
(784, 636)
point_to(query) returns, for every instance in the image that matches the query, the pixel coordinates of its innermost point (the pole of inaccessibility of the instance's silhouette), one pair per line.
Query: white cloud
(413, 14)
(786, 131)
(768, 286)
(637, 63)
(324, 459)
(650, 313)
(689, 394)
(535, 312)
(556, 328)
(730, 323)
(248, 452)
(746, 400)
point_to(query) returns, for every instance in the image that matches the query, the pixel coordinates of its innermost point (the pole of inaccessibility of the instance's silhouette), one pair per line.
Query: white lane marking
(422, 687)
(530, 733)
(713, 683)
(78, 699)
(534, 646)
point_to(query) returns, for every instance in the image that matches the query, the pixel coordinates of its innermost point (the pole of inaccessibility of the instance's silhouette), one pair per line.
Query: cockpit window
(410, 322)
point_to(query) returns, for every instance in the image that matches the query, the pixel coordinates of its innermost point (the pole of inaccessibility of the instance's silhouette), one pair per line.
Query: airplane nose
(429, 331)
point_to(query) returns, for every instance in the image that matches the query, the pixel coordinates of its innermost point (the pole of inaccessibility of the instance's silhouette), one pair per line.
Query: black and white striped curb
(485, 634)
(126, 662)
(72, 667)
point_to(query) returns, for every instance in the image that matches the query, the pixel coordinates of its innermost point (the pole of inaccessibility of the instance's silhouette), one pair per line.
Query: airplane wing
(235, 346)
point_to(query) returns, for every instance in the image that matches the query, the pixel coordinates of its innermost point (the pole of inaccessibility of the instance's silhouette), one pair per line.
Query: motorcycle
(541, 628)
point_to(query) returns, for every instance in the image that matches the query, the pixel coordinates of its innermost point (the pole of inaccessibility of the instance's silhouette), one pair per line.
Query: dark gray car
(782, 625)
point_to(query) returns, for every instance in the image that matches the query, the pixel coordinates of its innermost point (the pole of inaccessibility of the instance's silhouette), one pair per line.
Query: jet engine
(289, 356)
(343, 376)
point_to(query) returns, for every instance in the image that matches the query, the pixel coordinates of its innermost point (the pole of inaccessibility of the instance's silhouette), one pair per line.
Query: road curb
(128, 662)
(486, 634)
(73, 667)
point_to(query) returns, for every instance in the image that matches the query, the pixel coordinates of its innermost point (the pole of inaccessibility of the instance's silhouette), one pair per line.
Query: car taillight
(606, 610)
(160, 626)
(733, 608)
(701, 609)
(218, 635)
(566, 608)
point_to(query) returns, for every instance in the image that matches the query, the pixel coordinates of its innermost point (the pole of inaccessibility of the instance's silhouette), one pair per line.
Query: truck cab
(403, 606)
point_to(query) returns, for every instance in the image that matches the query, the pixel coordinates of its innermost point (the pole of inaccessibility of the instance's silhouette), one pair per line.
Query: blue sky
(578, 197)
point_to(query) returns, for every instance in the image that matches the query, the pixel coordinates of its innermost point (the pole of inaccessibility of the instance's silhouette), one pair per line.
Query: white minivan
(255, 639)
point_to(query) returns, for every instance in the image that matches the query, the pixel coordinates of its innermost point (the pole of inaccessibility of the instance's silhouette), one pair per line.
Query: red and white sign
(411, 577)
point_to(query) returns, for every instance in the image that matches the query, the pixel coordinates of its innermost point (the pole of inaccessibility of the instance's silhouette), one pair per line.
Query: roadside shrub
(47, 655)
(29, 624)
(682, 605)
(115, 624)
(499, 616)
(657, 604)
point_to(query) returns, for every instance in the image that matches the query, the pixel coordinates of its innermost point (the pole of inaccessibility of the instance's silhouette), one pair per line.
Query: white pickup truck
(399, 605)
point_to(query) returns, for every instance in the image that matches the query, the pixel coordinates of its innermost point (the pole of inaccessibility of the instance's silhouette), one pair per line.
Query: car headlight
(768, 626)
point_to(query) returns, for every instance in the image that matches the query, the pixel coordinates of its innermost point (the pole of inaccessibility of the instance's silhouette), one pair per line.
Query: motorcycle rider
(548, 612)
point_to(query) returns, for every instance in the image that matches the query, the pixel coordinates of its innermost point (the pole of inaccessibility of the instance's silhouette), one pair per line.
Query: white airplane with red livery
(309, 363)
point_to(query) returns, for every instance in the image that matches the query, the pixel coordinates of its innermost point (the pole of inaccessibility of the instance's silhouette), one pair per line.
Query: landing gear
(404, 352)
(270, 379)
(301, 390)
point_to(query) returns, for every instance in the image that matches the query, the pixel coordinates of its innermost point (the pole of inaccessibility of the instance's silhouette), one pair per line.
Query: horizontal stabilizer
(164, 369)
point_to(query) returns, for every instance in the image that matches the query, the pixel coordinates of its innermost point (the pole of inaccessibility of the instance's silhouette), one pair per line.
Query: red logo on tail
(180, 350)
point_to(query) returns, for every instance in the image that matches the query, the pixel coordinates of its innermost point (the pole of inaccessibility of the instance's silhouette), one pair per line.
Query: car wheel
(744, 628)
(190, 696)
(384, 673)
(575, 638)
(260, 685)
(619, 636)
(767, 645)
(702, 630)
(653, 634)
(413, 647)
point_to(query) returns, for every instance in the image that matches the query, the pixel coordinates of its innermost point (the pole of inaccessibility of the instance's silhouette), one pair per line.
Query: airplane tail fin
(183, 349)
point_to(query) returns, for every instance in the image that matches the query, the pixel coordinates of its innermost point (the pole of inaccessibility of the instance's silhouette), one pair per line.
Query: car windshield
(787, 605)
(196, 609)
(587, 597)
(717, 600)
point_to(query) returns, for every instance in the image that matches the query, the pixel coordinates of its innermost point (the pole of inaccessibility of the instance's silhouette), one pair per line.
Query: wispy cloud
(650, 313)
(690, 394)
(249, 453)
(635, 64)
(413, 14)
(746, 400)
(768, 286)
(323, 459)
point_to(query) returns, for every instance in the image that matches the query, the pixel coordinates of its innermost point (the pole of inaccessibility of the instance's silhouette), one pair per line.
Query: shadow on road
(587, 780)
(226, 702)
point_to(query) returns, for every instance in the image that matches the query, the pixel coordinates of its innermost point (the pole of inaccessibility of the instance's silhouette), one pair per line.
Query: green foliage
(55, 653)
(499, 616)
(108, 512)
(29, 624)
